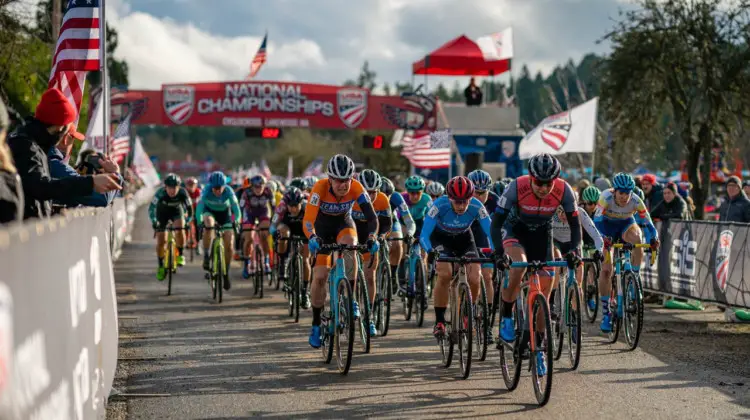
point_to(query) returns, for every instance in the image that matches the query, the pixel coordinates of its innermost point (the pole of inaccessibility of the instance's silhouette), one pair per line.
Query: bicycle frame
(622, 264)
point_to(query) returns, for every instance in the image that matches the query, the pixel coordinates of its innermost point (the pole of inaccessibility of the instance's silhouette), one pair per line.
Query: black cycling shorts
(454, 245)
(222, 218)
(537, 244)
(295, 228)
(165, 214)
(330, 228)
(564, 247)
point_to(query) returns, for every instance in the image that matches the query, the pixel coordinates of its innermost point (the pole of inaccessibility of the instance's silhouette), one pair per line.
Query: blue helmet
(623, 182)
(481, 180)
(217, 179)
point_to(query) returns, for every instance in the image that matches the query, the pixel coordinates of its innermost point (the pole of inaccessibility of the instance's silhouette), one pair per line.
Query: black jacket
(30, 144)
(735, 209)
(677, 209)
(11, 198)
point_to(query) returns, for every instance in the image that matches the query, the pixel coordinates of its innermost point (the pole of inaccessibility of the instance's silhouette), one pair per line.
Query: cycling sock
(439, 315)
(605, 304)
(636, 268)
(161, 261)
(316, 315)
(507, 309)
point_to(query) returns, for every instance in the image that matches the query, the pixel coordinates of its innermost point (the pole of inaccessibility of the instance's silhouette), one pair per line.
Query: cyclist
(447, 227)
(194, 191)
(617, 217)
(482, 182)
(372, 182)
(418, 203)
(522, 223)
(257, 205)
(589, 199)
(310, 181)
(287, 221)
(169, 204)
(218, 205)
(399, 209)
(499, 187)
(328, 220)
(434, 189)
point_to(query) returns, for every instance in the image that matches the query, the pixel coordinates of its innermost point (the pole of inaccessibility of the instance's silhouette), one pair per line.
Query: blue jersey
(441, 216)
(401, 209)
(480, 239)
(210, 203)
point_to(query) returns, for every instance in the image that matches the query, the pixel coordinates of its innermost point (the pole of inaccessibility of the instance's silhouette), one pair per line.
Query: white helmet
(434, 189)
(370, 180)
(340, 167)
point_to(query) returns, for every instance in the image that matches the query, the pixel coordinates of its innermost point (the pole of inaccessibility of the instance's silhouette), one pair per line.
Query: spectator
(582, 184)
(52, 122)
(91, 163)
(746, 187)
(736, 208)
(672, 207)
(473, 94)
(11, 198)
(603, 184)
(652, 190)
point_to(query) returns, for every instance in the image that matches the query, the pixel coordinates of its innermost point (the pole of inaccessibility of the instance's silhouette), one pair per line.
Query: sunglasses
(589, 204)
(480, 192)
(539, 183)
(460, 202)
(623, 191)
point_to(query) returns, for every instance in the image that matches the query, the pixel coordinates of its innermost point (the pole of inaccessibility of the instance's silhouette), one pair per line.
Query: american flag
(315, 168)
(259, 59)
(77, 50)
(264, 169)
(426, 149)
(120, 145)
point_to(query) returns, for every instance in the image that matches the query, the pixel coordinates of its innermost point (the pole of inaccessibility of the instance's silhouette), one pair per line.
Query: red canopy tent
(459, 57)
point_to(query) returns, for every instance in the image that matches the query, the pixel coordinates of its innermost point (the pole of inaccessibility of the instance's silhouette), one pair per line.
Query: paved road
(244, 358)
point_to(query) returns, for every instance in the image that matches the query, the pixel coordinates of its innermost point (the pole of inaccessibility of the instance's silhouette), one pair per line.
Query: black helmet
(544, 167)
(386, 186)
(172, 180)
(293, 196)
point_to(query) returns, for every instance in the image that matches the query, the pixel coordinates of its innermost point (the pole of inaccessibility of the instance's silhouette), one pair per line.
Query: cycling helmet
(272, 186)
(172, 180)
(370, 180)
(499, 187)
(340, 167)
(603, 184)
(460, 188)
(544, 167)
(481, 180)
(217, 179)
(623, 182)
(297, 183)
(309, 182)
(590, 195)
(387, 187)
(293, 196)
(507, 180)
(434, 189)
(257, 180)
(191, 181)
(414, 183)
(639, 192)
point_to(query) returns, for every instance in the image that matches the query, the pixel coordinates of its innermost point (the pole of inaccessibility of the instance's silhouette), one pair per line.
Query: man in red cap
(652, 190)
(30, 143)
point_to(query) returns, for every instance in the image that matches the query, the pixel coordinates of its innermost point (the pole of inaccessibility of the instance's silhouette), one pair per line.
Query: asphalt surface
(185, 357)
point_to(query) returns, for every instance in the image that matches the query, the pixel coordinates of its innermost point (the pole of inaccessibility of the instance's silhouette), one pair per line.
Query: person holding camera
(90, 162)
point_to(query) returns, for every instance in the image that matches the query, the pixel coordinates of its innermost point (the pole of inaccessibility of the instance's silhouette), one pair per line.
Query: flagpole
(103, 70)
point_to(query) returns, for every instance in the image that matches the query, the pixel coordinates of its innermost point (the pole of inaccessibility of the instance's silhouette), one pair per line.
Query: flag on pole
(315, 168)
(497, 46)
(259, 59)
(143, 166)
(120, 146)
(427, 150)
(264, 169)
(572, 131)
(289, 169)
(77, 50)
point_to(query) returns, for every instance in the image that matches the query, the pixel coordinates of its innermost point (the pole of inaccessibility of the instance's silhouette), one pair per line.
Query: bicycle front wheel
(510, 353)
(614, 311)
(259, 270)
(543, 345)
(297, 287)
(591, 299)
(363, 323)
(633, 309)
(464, 328)
(557, 317)
(344, 338)
(573, 324)
(386, 295)
(221, 273)
(481, 320)
(420, 292)
(170, 265)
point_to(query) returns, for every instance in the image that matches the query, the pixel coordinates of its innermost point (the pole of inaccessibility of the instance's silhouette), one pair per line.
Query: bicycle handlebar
(255, 229)
(343, 247)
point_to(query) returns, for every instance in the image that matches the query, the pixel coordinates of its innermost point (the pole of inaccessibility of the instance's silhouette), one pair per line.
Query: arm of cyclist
(504, 206)
(430, 220)
(486, 225)
(591, 230)
(235, 206)
(278, 215)
(644, 220)
(570, 207)
(601, 207)
(403, 210)
(188, 204)
(385, 221)
(199, 212)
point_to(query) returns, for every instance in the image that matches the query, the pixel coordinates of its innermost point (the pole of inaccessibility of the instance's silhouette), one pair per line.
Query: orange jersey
(381, 205)
(322, 200)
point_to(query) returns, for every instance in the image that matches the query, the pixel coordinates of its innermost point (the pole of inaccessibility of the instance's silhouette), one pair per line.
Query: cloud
(326, 41)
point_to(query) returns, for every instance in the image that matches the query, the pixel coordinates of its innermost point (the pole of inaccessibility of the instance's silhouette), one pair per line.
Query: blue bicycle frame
(415, 255)
(335, 276)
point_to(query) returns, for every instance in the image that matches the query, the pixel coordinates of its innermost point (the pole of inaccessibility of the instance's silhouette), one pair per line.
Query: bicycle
(416, 301)
(257, 253)
(337, 318)
(629, 310)
(217, 273)
(383, 289)
(362, 296)
(483, 327)
(171, 254)
(191, 231)
(537, 304)
(567, 312)
(591, 289)
(295, 273)
(459, 322)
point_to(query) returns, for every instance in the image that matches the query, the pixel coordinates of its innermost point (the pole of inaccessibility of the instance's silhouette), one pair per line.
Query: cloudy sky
(326, 41)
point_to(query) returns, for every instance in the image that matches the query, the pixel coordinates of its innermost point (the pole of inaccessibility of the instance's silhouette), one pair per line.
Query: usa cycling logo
(179, 102)
(721, 263)
(555, 130)
(351, 105)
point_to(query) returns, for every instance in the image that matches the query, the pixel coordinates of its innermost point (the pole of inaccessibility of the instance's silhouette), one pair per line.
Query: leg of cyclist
(509, 294)
(306, 281)
(557, 280)
(634, 235)
(441, 295)
(605, 286)
(161, 239)
(180, 239)
(209, 222)
(282, 247)
(397, 250)
(369, 269)
(248, 262)
(348, 236)
(228, 237)
(265, 223)
(318, 295)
